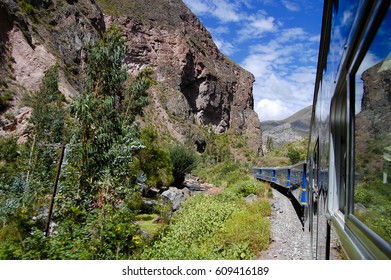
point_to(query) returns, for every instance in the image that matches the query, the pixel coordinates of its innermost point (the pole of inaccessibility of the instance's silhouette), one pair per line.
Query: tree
(48, 121)
(269, 144)
(24, 196)
(153, 161)
(99, 197)
(105, 136)
(294, 155)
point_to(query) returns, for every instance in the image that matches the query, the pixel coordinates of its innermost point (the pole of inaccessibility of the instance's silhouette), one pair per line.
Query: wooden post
(55, 189)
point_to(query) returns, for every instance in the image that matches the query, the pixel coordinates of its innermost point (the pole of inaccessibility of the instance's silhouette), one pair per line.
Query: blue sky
(276, 40)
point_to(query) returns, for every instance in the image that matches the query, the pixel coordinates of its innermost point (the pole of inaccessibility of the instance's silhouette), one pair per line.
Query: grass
(145, 221)
(248, 225)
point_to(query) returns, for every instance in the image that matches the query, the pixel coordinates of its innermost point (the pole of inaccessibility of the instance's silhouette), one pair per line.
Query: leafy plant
(189, 230)
(248, 226)
(183, 160)
(153, 161)
(5, 98)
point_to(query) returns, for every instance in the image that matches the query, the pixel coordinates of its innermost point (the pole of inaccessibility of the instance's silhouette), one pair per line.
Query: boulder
(176, 196)
(251, 198)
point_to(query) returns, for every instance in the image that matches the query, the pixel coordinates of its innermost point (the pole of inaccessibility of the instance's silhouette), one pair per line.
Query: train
(345, 182)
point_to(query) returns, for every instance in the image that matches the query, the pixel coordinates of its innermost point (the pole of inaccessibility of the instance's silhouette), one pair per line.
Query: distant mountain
(290, 129)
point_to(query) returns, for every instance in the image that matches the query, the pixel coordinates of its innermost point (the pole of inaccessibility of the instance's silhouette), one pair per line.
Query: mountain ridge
(292, 128)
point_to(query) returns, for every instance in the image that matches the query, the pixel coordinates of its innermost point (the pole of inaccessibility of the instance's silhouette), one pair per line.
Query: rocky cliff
(373, 119)
(197, 86)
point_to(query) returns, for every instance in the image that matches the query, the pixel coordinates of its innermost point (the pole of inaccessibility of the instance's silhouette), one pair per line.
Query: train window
(339, 138)
(372, 142)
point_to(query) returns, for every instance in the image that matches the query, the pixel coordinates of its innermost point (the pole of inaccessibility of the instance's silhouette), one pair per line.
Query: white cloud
(257, 27)
(224, 10)
(197, 6)
(220, 30)
(272, 110)
(284, 68)
(347, 18)
(225, 47)
(289, 34)
(291, 6)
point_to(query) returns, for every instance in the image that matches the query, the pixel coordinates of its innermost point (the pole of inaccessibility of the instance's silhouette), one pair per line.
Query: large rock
(176, 196)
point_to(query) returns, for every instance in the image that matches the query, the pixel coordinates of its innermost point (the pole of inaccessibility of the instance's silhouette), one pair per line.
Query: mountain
(290, 129)
(198, 89)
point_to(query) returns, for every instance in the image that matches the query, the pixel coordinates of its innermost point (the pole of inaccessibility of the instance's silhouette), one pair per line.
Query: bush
(214, 227)
(5, 100)
(248, 226)
(190, 233)
(246, 187)
(153, 161)
(183, 160)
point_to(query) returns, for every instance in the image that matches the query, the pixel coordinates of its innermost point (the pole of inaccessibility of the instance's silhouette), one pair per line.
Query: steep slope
(198, 89)
(290, 129)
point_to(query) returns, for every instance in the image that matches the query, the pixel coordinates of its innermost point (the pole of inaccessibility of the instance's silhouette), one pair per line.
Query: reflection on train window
(372, 197)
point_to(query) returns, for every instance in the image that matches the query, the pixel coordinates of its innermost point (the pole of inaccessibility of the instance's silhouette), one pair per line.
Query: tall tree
(48, 127)
(105, 137)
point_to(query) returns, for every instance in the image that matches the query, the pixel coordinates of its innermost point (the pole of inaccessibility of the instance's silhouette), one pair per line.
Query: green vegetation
(97, 200)
(26, 7)
(5, 99)
(183, 160)
(221, 226)
(372, 191)
(153, 161)
(288, 154)
(376, 197)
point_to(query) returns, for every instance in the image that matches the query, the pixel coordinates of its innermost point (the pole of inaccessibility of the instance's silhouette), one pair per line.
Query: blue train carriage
(288, 177)
(298, 179)
(349, 173)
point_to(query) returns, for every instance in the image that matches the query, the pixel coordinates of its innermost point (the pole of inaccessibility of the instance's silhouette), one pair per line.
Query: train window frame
(339, 142)
(375, 246)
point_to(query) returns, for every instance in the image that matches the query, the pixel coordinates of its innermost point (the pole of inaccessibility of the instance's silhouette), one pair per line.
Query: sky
(276, 40)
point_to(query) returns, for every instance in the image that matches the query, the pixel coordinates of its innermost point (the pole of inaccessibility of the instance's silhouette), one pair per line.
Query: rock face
(375, 117)
(196, 84)
(373, 122)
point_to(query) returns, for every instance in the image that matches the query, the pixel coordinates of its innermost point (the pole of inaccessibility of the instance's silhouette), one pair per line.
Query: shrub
(214, 227)
(293, 155)
(246, 227)
(153, 161)
(190, 233)
(183, 160)
(5, 99)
